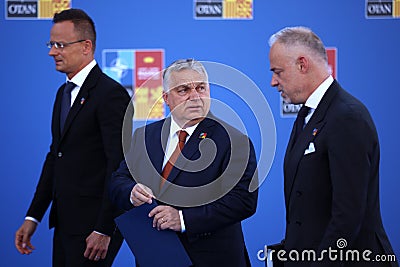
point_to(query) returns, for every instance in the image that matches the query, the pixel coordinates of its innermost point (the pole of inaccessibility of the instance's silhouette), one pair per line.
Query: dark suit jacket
(82, 157)
(333, 193)
(213, 214)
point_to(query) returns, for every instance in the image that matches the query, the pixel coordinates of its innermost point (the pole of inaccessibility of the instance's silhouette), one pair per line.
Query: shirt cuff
(99, 233)
(29, 218)
(183, 228)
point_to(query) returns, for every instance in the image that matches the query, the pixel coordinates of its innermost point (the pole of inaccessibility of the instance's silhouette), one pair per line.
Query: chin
(196, 118)
(287, 100)
(192, 118)
(60, 69)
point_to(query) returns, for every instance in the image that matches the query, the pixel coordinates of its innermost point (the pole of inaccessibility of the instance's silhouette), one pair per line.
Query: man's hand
(166, 217)
(23, 237)
(96, 246)
(141, 194)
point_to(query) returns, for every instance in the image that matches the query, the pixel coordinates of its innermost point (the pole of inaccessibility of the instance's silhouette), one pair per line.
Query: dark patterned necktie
(66, 103)
(299, 124)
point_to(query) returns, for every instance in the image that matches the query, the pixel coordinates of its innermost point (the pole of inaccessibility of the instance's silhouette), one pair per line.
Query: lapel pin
(315, 131)
(203, 135)
(82, 100)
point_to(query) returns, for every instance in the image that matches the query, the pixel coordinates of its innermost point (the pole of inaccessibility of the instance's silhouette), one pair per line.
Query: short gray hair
(182, 64)
(300, 36)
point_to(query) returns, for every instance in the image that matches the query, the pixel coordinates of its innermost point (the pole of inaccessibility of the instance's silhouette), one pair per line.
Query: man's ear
(87, 46)
(302, 63)
(165, 97)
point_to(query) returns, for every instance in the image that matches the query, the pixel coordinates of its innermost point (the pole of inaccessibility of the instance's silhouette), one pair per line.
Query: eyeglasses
(57, 45)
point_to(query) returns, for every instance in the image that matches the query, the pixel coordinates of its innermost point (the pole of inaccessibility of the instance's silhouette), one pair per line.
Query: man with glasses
(196, 167)
(86, 147)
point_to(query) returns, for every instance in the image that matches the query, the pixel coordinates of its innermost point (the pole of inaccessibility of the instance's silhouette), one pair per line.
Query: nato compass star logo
(119, 67)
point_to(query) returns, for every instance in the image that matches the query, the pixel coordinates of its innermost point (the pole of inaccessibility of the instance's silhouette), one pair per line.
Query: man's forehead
(187, 77)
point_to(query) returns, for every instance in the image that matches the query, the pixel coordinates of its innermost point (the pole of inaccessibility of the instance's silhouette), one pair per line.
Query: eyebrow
(275, 69)
(185, 85)
(201, 83)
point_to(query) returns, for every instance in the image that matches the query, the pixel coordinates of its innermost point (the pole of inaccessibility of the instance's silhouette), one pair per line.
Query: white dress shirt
(314, 99)
(79, 79)
(172, 142)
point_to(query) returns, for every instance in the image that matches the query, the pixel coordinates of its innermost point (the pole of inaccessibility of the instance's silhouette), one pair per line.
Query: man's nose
(52, 51)
(193, 94)
(274, 81)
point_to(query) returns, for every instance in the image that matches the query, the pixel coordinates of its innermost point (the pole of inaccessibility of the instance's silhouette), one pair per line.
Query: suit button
(298, 193)
(59, 154)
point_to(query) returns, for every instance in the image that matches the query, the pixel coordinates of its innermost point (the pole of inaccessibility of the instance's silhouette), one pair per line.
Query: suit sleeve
(44, 189)
(110, 116)
(121, 183)
(351, 155)
(238, 203)
(120, 188)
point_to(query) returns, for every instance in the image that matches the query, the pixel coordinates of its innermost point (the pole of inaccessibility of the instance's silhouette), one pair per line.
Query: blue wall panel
(368, 66)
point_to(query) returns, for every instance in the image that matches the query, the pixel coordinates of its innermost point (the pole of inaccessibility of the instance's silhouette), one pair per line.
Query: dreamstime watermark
(330, 254)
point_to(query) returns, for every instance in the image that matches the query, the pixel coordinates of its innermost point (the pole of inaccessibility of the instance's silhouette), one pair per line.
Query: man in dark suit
(206, 195)
(331, 165)
(86, 148)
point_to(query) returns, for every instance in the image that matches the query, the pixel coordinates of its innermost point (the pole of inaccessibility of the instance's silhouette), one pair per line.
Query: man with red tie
(196, 167)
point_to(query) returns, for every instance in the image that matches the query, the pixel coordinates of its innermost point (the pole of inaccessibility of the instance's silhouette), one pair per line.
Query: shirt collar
(175, 127)
(317, 95)
(80, 77)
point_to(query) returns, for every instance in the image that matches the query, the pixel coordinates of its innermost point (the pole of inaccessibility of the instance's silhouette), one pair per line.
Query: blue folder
(151, 247)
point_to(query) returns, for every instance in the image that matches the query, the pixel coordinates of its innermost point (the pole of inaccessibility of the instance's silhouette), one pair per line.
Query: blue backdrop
(368, 67)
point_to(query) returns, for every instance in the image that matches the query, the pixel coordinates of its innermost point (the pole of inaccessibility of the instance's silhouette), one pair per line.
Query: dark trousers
(68, 250)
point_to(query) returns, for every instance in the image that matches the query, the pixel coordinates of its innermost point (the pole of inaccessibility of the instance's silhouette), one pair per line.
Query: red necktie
(174, 156)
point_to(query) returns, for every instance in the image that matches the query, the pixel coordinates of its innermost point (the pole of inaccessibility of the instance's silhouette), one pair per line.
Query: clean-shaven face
(188, 97)
(70, 59)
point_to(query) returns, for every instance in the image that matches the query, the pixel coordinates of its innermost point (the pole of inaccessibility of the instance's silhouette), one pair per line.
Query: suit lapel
(291, 139)
(190, 149)
(156, 141)
(56, 114)
(295, 152)
(161, 144)
(82, 97)
(293, 156)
